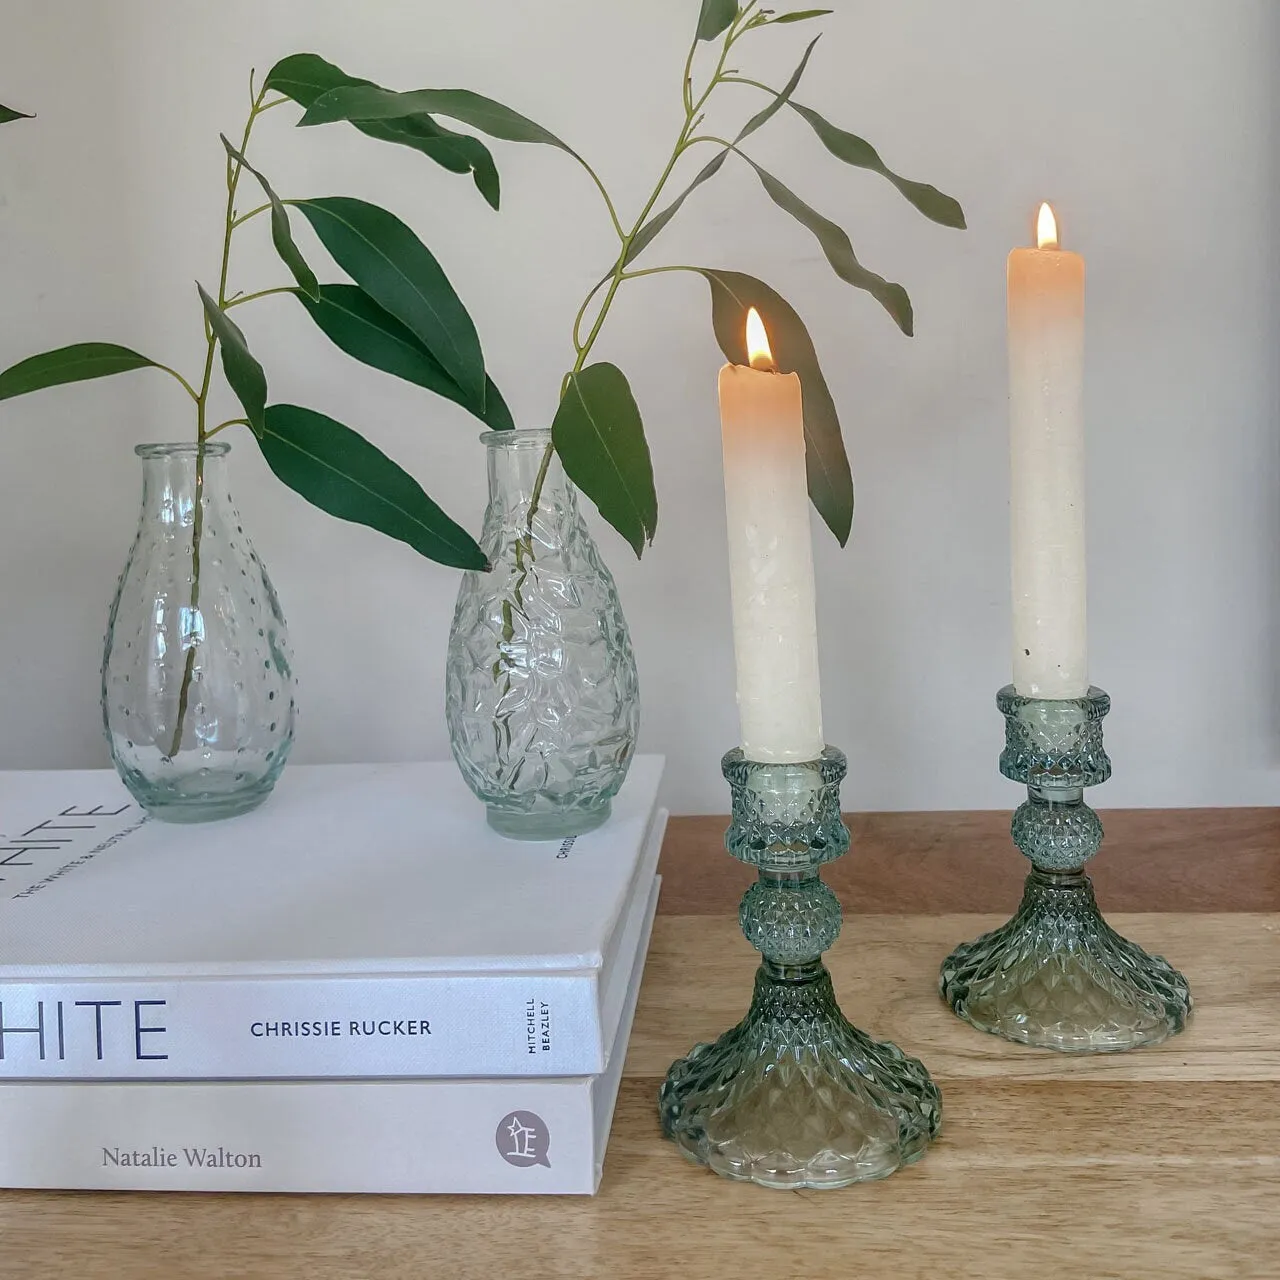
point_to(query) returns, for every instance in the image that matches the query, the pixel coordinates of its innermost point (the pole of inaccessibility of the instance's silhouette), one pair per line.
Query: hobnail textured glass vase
(542, 698)
(197, 684)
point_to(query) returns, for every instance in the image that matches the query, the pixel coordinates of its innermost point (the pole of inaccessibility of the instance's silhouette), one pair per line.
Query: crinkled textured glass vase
(197, 683)
(542, 698)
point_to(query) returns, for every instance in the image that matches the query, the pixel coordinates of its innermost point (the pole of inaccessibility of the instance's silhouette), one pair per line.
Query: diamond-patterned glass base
(1059, 977)
(796, 1096)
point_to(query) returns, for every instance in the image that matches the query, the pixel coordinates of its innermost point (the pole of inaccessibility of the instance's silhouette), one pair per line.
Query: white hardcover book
(522, 1136)
(365, 922)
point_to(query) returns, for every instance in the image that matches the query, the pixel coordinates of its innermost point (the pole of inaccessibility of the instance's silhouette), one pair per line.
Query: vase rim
(186, 448)
(524, 437)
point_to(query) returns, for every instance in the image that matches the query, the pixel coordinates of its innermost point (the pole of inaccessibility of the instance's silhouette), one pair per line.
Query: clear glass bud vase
(197, 683)
(542, 697)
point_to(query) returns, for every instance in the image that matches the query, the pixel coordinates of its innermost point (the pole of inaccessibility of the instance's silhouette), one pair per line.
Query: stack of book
(358, 987)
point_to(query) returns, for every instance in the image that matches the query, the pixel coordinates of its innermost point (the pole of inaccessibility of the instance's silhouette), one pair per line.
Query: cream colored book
(514, 1136)
(365, 922)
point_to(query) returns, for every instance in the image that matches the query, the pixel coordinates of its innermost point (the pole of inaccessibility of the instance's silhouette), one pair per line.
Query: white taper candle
(1046, 421)
(775, 629)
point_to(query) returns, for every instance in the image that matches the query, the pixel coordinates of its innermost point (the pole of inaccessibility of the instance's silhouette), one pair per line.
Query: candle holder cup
(1057, 975)
(795, 1095)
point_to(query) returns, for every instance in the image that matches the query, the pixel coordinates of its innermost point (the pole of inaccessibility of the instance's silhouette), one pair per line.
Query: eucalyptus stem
(234, 170)
(582, 346)
(230, 422)
(658, 271)
(186, 386)
(241, 299)
(253, 213)
(188, 670)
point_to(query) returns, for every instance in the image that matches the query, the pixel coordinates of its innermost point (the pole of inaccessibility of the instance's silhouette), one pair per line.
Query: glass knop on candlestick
(1057, 975)
(795, 1095)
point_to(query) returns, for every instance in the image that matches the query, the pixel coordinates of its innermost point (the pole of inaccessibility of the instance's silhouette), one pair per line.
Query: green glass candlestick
(1057, 975)
(795, 1095)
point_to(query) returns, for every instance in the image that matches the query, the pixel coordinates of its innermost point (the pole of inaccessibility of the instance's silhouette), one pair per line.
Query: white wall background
(1150, 123)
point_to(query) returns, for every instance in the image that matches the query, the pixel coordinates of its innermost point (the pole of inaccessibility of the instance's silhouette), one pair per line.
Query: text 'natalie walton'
(191, 1157)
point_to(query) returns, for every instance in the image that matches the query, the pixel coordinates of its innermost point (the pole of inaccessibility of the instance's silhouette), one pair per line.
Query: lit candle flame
(759, 353)
(1046, 229)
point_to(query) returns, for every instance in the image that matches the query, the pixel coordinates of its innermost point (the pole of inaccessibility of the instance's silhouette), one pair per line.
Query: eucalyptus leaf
(457, 152)
(763, 117)
(281, 234)
(354, 323)
(934, 204)
(362, 103)
(827, 464)
(651, 229)
(836, 245)
(76, 363)
(340, 472)
(716, 16)
(598, 433)
(402, 276)
(8, 115)
(304, 77)
(245, 375)
(800, 15)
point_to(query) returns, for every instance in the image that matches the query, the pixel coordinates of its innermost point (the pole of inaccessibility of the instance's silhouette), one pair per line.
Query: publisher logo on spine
(523, 1139)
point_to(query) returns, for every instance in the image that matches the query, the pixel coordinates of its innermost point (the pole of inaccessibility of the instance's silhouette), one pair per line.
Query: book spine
(387, 1137)
(376, 1026)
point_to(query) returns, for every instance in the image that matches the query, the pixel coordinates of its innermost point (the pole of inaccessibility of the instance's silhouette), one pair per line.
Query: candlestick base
(795, 1095)
(1057, 975)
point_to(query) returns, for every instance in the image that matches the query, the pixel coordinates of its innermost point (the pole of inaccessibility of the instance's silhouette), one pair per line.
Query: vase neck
(516, 461)
(522, 466)
(175, 477)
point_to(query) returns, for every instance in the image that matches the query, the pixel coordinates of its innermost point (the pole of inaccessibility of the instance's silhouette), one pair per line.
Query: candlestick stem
(795, 1095)
(1057, 975)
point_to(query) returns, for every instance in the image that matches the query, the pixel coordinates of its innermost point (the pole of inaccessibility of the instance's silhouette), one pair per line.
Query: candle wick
(764, 363)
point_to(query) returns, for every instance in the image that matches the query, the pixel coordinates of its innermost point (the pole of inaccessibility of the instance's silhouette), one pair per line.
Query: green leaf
(855, 151)
(244, 374)
(353, 322)
(782, 99)
(716, 16)
(361, 103)
(281, 234)
(403, 277)
(8, 115)
(77, 363)
(835, 244)
(304, 77)
(651, 229)
(599, 436)
(457, 152)
(340, 472)
(800, 15)
(830, 480)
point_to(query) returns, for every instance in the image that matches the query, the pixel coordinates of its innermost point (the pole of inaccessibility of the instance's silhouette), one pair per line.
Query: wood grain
(1162, 1163)
(885, 969)
(925, 863)
(1078, 1181)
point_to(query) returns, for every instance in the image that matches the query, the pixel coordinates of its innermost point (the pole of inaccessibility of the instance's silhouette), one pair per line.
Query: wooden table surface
(1164, 1162)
